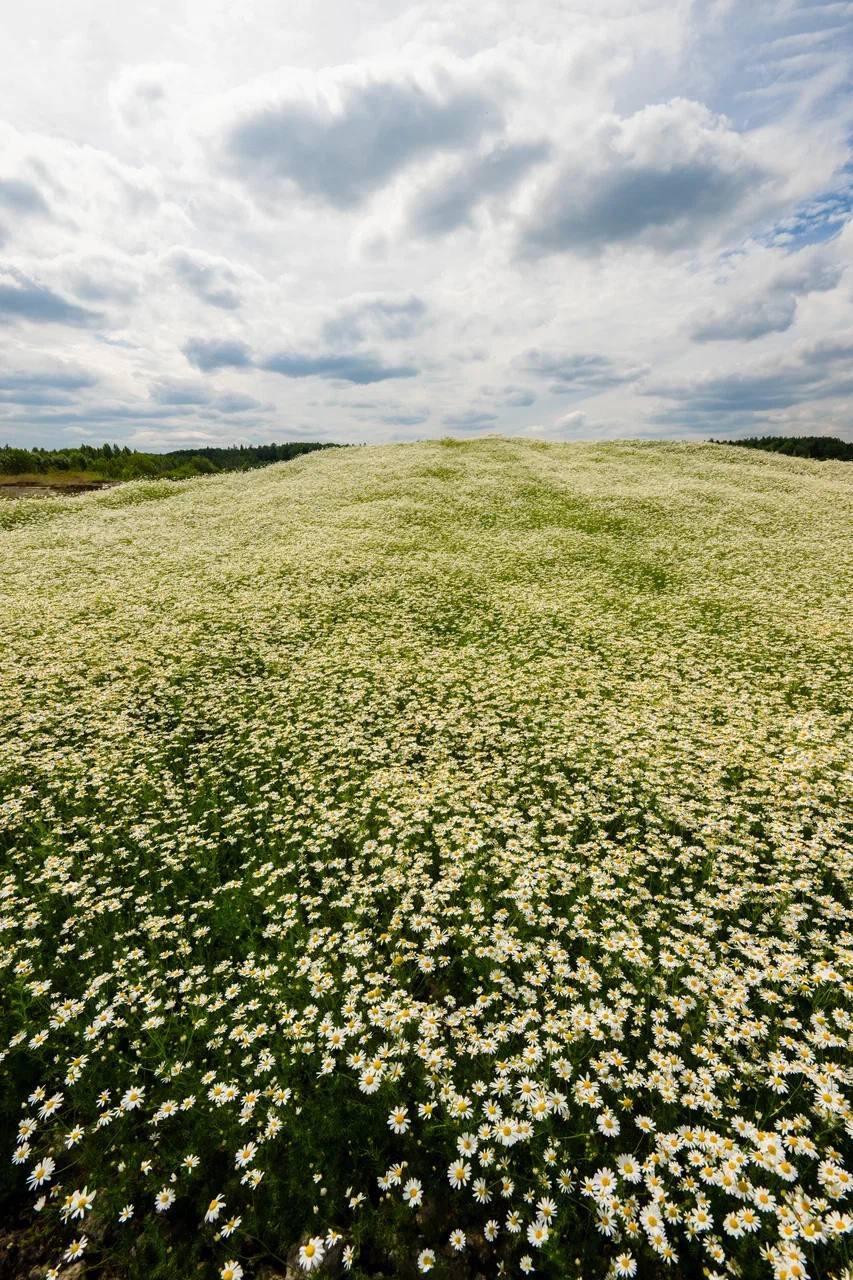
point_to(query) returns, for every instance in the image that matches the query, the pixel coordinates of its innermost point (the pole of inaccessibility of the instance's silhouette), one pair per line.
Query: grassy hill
(437, 852)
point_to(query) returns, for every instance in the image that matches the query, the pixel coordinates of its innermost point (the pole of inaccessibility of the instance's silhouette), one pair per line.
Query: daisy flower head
(537, 1234)
(214, 1208)
(311, 1254)
(458, 1240)
(76, 1249)
(426, 1260)
(413, 1193)
(398, 1121)
(231, 1270)
(43, 1172)
(132, 1098)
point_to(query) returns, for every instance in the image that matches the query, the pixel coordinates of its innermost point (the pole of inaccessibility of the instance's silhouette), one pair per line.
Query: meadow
(431, 859)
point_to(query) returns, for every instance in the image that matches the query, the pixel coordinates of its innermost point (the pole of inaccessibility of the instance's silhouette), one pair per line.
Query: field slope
(431, 857)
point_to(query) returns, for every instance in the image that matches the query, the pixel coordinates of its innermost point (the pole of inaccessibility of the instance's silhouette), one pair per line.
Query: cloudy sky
(373, 221)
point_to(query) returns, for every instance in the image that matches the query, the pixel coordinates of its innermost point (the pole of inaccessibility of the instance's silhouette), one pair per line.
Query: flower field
(431, 858)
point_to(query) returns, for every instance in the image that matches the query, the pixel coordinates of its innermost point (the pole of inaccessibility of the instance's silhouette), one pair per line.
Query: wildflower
(457, 1240)
(426, 1260)
(43, 1172)
(126, 1213)
(164, 1199)
(311, 1254)
(76, 1249)
(459, 1173)
(80, 1202)
(214, 1209)
(231, 1270)
(546, 1208)
(50, 1107)
(398, 1121)
(413, 1193)
(537, 1234)
(625, 1265)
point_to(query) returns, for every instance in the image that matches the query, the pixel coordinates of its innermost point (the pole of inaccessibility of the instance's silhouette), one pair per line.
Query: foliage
(820, 447)
(116, 462)
(418, 843)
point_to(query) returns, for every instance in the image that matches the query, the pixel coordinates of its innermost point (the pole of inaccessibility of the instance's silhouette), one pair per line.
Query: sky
(376, 221)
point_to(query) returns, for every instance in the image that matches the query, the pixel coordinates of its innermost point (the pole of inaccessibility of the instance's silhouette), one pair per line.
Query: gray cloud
(512, 397)
(22, 197)
(578, 372)
(180, 393)
(23, 299)
(747, 321)
(773, 311)
(404, 419)
(469, 420)
(236, 402)
(209, 278)
(46, 380)
(342, 155)
(660, 177)
(719, 401)
(384, 317)
(217, 353)
(450, 203)
(354, 367)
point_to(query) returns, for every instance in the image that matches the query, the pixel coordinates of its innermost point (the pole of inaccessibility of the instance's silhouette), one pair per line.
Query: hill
(430, 858)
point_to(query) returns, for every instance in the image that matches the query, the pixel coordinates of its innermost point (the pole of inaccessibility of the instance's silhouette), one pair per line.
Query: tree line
(119, 462)
(820, 447)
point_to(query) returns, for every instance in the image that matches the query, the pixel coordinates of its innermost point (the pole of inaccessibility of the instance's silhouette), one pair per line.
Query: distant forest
(117, 462)
(820, 447)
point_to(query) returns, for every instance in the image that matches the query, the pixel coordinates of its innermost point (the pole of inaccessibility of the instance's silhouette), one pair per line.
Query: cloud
(236, 402)
(470, 420)
(772, 311)
(139, 94)
(660, 177)
(450, 203)
(102, 277)
(750, 320)
(22, 197)
(588, 374)
(511, 396)
(354, 367)
(404, 419)
(21, 298)
(210, 278)
(61, 378)
(180, 393)
(375, 317)
(572, 421)
(723, 401)
(217, 353)
(340, 136)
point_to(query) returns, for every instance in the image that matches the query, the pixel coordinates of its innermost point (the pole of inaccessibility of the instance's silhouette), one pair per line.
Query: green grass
(522, 767)
(52, 479)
